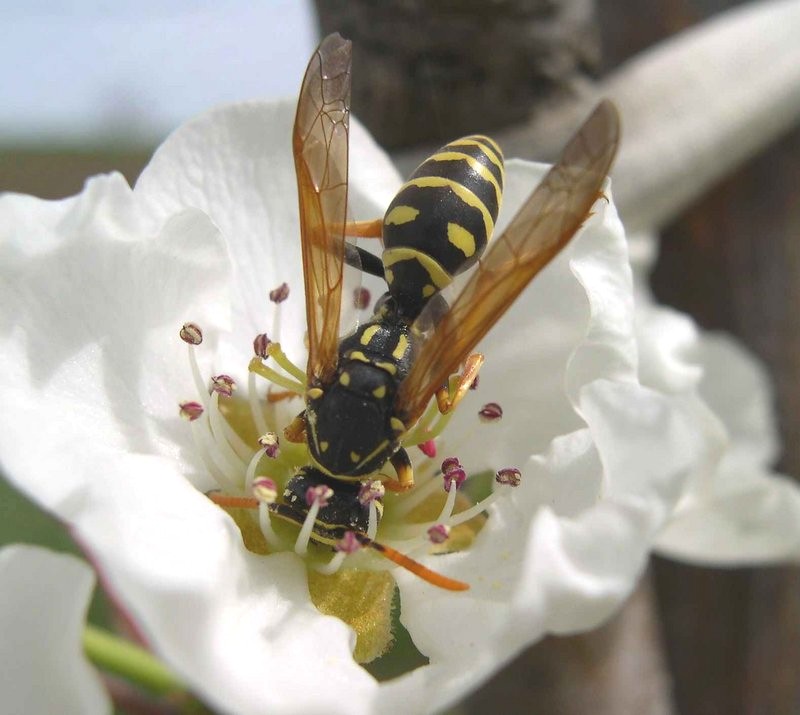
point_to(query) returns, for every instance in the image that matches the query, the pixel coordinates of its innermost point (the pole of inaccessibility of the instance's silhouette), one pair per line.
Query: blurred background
(90, 87)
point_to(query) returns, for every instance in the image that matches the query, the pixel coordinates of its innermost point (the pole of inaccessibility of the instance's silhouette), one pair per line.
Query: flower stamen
(316, 498)
(229, 443)
(276, 353)
(266, 491)
(268, 373)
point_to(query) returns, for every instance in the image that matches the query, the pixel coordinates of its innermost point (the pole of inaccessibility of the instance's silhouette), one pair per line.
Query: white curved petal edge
(741, 512)
(93, 290)
(43, 601)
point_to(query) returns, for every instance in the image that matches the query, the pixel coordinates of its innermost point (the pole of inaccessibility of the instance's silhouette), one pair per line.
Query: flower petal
(94, 437)
(93, 294)
(43, 602)
(566, 547)
(235, 164)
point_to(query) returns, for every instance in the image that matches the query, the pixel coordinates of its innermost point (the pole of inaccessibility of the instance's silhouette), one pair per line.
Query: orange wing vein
(541, 228)
(320, 145)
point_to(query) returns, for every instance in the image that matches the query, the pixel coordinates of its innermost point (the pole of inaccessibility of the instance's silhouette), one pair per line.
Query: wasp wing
(541, 228)
(320, 146)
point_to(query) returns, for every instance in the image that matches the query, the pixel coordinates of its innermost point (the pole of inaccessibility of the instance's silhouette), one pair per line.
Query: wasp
(367, 390)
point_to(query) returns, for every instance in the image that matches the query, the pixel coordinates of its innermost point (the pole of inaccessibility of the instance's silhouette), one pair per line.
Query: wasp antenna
(415, 567)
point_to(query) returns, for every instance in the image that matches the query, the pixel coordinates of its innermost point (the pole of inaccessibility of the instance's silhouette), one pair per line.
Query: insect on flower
(366, 393)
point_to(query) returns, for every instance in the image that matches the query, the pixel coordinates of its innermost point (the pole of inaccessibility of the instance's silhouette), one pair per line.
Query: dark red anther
(279, 294)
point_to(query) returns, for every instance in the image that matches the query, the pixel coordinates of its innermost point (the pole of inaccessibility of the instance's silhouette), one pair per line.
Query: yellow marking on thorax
(397, 424)
(400, 348)
(400, 215)
(439, 276)
(428, 290)
(323, 446)
(344, 379)
(368, 334)
(462, 239)
(314, 393)
(380, 392)
(481, 169)
(358, 355)
(459, 190)
(354, 457)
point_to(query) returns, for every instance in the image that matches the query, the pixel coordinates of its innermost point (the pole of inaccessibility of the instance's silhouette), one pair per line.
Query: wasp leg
(280, 395)
(295, 431)
(447, 400)
(230, 501)
(364, 229)
(405, 472)
(357, 257)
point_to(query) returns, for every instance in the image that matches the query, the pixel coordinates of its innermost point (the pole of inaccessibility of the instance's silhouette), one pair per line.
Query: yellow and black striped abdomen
(441, 219)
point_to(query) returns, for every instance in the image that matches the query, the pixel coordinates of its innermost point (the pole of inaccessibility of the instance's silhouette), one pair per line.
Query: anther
(455, 476)
(490, 412)
(265, 490)
(279, 294)
(191, 333)
(271, 444)
(438, 533)
(318, 495)
(191, 410)
(370, 491)
(450, 463)
(361, 298)
(348, 544)
(223, 385)
(261, 345)
(509, 476)
(428, 448)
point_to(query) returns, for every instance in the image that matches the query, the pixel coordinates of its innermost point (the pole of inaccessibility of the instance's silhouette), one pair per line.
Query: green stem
(120, 657)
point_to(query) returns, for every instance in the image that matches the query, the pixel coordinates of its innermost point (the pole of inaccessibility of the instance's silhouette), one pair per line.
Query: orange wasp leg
(447, 399)
(233, 502)
(274, 396)
(364, 229)
(295, 431)
(405, 472)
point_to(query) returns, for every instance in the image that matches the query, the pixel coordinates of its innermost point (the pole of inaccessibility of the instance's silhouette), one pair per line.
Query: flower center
(256, 468)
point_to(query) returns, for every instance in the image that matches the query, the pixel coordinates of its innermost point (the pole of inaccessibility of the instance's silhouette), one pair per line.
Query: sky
(81, 71)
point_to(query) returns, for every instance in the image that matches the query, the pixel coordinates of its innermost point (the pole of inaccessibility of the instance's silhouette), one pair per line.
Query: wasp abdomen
(440, 221)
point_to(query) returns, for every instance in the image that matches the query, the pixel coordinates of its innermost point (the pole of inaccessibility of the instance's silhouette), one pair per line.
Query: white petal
(43, 602)
(235, 164)
(93, 294)
(533, 571)
(736, 512)
(740, 512)
(93, 366)
(571, 325)
(566, 548)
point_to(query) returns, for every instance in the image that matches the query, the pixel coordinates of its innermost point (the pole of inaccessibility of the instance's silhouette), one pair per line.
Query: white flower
(43, 602)
(93, 290)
